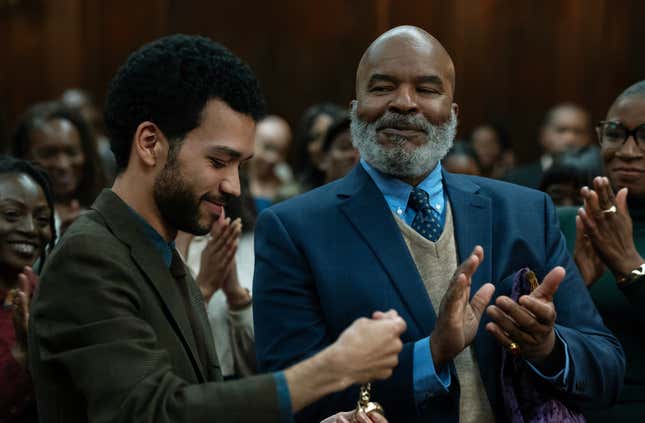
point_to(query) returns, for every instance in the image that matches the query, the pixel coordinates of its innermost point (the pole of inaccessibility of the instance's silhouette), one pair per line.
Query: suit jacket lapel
(472, 218)
(367, 210)
(124, 225)
(212, 362)
(472, 213)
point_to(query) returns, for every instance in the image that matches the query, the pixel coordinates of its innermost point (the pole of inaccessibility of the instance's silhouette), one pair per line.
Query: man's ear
(455, 109)
(150, 144)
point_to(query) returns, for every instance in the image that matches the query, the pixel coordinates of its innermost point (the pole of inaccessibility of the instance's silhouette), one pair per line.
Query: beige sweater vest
(436, 263)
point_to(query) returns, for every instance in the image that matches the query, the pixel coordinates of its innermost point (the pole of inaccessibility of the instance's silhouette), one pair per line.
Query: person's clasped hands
(218, 268)
(604, 233)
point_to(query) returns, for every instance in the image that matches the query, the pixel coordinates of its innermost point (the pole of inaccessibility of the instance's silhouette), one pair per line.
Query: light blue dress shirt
(427, 382)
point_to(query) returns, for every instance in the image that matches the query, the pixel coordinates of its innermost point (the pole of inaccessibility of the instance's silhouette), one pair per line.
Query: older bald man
(392, 233)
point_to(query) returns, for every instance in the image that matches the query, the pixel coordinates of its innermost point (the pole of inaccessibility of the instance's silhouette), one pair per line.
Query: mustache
(402, 121)
(219, 199)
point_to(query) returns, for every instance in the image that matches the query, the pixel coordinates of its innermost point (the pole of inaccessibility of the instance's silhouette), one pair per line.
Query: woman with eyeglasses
(26, 232)
(609, 244)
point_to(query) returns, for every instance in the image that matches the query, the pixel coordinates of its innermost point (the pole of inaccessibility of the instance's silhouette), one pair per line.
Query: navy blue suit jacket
(335, 254)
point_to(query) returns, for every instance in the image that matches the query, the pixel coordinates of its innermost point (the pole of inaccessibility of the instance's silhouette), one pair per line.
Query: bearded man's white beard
(395, 159)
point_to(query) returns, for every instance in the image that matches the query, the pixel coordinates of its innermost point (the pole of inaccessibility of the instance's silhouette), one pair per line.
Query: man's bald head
(414, 40)
(404, 119)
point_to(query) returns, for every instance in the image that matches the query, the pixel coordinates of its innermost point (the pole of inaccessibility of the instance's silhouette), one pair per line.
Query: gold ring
(514, 348)
(610, 210)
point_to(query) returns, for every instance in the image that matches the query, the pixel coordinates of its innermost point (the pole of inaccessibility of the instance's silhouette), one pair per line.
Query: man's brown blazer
(111, 338)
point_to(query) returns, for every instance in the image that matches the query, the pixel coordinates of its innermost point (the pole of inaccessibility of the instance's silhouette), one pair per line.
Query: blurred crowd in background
(66, 136)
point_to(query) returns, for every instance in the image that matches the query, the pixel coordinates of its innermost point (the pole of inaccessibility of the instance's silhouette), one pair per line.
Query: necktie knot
(419, 200)
(427, 222)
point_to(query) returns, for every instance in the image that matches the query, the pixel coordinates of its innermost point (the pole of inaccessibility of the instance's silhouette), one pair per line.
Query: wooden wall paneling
(27, 82)
(613, 58)
(301, 54)
(635, 34)
(620, 58)
(532, 73)
(62, 48)
(5, 64)
(482, 47)
(124, 27)
(93, 57)
(513, 59)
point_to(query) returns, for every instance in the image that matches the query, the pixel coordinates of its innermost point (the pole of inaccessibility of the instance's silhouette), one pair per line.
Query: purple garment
(527, 398)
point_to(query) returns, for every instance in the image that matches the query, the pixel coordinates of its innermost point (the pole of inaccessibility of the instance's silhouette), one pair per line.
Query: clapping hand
(218, 258)
(19, 300)
(588, 261)
(529, 323)
(458, 318)
(606, 222)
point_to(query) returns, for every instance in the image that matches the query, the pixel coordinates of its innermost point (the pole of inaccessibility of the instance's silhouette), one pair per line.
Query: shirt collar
(159, 243)
(397, 192)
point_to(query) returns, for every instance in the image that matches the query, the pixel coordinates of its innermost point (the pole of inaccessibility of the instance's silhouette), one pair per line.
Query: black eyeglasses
(614, 134)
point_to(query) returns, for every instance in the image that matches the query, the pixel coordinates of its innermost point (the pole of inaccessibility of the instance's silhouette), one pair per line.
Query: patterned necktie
(427, 221)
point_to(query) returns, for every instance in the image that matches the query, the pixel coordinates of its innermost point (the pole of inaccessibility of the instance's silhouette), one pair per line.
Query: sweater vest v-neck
(436, 263)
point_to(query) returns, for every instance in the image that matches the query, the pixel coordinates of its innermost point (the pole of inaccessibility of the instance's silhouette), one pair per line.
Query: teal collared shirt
(159, 243)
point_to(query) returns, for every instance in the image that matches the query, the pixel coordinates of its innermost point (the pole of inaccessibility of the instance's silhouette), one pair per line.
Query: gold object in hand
(364, 402)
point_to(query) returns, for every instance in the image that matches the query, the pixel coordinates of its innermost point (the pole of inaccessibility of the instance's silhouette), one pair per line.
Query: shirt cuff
(242, 317)
(427, 383)
(560, 377)
(284, 398)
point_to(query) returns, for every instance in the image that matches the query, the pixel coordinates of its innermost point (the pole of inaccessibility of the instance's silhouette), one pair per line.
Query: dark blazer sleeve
(87, 320)
(597, 360)
(284, 286)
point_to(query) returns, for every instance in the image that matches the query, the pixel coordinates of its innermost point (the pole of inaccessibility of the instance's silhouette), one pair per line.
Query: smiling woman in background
(62, 143)
(609, 234)
(26, 228)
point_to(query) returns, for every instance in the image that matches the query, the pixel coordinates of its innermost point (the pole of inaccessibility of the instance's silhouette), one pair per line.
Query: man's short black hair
(168, 82)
